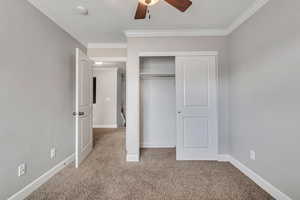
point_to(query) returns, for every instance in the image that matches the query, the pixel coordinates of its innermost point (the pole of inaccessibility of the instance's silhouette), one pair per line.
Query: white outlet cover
(252, 155)
(52, 153)
(22, 169)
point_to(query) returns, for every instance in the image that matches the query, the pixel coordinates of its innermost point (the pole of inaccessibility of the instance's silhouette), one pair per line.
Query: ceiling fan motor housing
(143, 5)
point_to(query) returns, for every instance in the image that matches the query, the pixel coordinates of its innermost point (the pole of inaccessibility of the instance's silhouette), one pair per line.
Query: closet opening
(158, 104)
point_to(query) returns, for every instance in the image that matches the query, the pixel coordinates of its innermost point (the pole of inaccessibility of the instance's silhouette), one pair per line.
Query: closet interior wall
(158, 102)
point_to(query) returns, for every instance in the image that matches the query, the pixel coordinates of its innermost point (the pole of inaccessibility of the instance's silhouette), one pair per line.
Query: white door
(83, 111)
(196, 96)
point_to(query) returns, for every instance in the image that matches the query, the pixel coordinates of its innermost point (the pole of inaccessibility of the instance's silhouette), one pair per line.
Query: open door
(196, 99)
(83, 110)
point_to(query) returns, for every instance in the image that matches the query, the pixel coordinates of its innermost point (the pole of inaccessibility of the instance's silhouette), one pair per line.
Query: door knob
(179, 112)
(79, 113)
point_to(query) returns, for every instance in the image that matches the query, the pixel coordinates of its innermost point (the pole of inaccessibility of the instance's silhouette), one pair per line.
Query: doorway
(99, 103)
(109, 102)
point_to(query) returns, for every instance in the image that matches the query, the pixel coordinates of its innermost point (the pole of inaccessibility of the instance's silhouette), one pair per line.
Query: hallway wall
(37, 74)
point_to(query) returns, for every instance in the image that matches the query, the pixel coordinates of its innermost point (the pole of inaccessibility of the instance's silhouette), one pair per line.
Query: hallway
(105, 175)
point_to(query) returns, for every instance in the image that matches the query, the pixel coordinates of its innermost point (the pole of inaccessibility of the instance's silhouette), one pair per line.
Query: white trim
(264, 184)
(96, 67)
(178, 53)
(150, 146)
(27, 190)
(175, 33)
(223, 158)
(106, 126)
(255, 7)
(202, 157)
(132, 158)
(109, 59)
(107, 45)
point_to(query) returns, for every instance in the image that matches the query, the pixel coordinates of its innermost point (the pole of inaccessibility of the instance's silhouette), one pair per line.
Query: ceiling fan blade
(141, 11)
(181, 5)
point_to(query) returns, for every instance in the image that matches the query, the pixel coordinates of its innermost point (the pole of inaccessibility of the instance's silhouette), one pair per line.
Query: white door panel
(196, 87)
(195, 83)
(83, 113)
(195, 132)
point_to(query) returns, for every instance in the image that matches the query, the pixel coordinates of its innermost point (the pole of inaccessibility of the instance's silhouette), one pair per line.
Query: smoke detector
(81, 10)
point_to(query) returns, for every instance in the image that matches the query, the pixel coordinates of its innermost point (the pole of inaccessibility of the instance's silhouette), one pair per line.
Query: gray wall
(265, 94)
(36, 95)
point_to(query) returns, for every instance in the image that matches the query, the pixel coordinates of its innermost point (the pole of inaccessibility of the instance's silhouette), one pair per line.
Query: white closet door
(196, 87)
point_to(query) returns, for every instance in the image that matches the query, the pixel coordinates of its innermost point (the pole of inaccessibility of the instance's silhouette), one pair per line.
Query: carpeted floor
(106, 176)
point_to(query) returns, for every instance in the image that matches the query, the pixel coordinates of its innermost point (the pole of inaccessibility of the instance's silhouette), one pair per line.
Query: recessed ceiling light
(98, 63)
(81, 10)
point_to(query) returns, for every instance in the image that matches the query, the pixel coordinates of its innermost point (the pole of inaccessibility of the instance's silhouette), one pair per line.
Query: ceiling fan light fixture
(149, 2)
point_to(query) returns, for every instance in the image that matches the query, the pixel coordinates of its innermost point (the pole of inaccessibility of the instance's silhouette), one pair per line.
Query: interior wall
(137, 45)
(37, 78)
(106, 106)
(264, 94)
(107, 52)
(158, 103)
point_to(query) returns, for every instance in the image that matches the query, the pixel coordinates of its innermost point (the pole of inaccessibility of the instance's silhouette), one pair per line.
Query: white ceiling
(108, 19)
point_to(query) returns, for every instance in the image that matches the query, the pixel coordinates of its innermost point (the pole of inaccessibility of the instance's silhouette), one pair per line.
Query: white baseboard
(27, 190)
(106, 126)
(223, 158)
(133, 158)
(157, 146)
(268, 187)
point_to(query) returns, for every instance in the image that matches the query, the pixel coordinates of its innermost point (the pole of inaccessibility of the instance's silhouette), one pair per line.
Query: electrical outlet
(252, 155)
(52, 153)
(22, 169)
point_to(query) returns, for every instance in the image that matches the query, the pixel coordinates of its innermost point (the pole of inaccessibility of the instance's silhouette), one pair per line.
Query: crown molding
(175, 33)
(107, 45)
(254, 8)
(109, 59)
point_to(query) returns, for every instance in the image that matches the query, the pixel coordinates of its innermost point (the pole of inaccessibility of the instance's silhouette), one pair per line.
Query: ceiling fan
(143, 5)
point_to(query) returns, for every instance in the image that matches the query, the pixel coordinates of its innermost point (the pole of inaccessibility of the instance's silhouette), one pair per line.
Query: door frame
(184, 53)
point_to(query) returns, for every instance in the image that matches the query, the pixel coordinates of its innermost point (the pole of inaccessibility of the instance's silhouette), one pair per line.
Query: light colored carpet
(106, 176)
